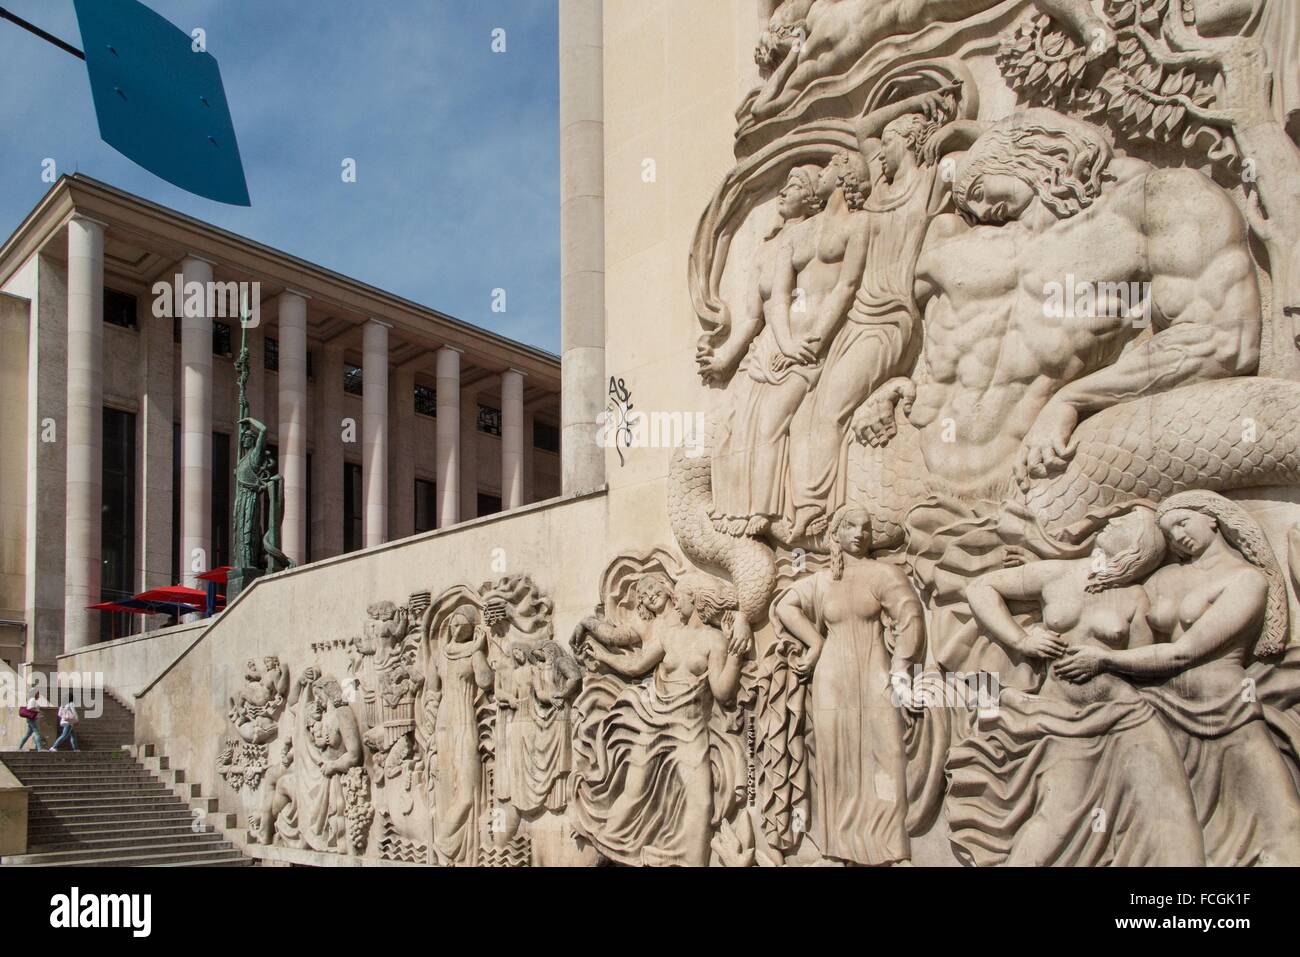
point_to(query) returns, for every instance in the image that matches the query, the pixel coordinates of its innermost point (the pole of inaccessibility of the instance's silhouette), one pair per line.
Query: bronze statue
(259, 497)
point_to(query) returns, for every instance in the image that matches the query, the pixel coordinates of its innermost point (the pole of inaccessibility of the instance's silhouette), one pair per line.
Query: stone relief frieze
(990, 553)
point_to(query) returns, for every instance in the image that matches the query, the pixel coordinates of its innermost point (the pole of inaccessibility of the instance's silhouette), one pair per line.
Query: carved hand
(1047, 448)
(714, 364)
(806, 348)
(806, 663)
(900, 689)
(875, 423)
(1080, 664)
(1042, 644)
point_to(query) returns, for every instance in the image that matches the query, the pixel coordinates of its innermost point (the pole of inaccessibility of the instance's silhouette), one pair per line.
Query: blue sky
(457, 147)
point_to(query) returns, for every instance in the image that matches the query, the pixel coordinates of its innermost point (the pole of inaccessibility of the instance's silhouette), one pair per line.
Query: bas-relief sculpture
(1041, 478)
(258, 509)
(989, 556)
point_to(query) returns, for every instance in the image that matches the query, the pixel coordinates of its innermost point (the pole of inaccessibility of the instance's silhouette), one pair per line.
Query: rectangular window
(426, 400)
(117, 542)
(489, 420)
(176, 503)
(222, 340)
(426, 506)
(306, 545)
(119, 308)
(353, 507)
(488, 504)
(271, 357)
(546, 437)
(352, 379)
(222, 473)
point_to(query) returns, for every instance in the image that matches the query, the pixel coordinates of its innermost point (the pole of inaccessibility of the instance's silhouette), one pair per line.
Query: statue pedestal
(237, 579)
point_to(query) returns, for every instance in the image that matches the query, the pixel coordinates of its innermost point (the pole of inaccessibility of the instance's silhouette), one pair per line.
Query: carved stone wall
(986, 549)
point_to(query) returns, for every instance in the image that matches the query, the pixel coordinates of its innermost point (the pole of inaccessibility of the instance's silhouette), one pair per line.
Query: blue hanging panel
(160, 103)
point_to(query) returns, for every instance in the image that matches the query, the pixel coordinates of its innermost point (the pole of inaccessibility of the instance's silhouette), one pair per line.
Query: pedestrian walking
(67, 724)
(32, 715)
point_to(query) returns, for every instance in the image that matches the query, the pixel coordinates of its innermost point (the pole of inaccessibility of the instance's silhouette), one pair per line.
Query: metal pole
(48, 37)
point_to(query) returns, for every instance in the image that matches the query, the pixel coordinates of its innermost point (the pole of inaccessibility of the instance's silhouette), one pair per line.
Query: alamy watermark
(85, 689)
(212, 300)
(1083, 299)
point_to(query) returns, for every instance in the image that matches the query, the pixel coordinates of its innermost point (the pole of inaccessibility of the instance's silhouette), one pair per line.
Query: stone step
(111, 817)
(153, 858)
(63, 831)
(116, 847)
(124, 798)
(94, 784)
(233, 862)
(108, 758)
(76, 779)
(130, 797)
(127, 835)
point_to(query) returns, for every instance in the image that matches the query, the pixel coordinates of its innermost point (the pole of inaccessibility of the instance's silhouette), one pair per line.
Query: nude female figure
(1049, 766)
(1221, 605)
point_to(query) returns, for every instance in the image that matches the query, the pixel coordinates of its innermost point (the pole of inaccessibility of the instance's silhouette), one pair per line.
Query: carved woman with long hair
(1221, 606)
(858, 670)
(1078, 775)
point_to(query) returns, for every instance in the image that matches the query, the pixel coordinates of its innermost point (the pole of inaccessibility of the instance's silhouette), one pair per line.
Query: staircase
(104, 809)
(100, 807)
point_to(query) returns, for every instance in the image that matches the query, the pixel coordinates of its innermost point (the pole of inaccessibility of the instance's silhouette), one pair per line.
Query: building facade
(119, 330)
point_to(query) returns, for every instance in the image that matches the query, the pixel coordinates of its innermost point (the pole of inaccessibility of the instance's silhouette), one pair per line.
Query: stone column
(293, 423)
(471, 443)
(374, 432)
(157, 415)
(530, 459)
(401, 454)
(196, 423)
(448, 449)
(512, 439)
(582, 242)
(327, 460)
(84, 432)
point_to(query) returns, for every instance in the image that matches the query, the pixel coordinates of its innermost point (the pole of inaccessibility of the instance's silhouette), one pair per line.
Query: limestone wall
(130, 664)
(307, 617)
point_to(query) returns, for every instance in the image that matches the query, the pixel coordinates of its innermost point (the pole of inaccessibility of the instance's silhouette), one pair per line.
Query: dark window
(222, 471)
(489, 420)
(271, 349)
(119, 308)
(353, 507)
(488, 504)
(426, 400)
(426, 506)
(221, 340)
(306, 545)
(176, 503)
(311, 372)
(351, 379)
(117, 542)
(546, 437)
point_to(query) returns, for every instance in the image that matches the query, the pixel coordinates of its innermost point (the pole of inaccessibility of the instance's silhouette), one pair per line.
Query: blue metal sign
(160, 101)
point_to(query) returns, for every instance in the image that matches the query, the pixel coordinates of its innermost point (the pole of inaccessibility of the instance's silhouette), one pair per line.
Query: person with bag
(32, 715)
(68, 724)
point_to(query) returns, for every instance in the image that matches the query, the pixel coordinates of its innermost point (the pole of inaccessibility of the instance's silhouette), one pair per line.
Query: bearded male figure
(1003, 382)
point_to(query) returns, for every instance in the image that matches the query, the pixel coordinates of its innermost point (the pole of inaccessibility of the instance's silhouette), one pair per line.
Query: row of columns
(85, 403)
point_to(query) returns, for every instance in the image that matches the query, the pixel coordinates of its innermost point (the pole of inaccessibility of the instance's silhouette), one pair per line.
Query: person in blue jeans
(68, 724)
(33, 726)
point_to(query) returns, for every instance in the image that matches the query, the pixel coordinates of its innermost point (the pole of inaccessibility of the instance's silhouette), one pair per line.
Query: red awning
(113, 606)
(175, 595)
(218, 575)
